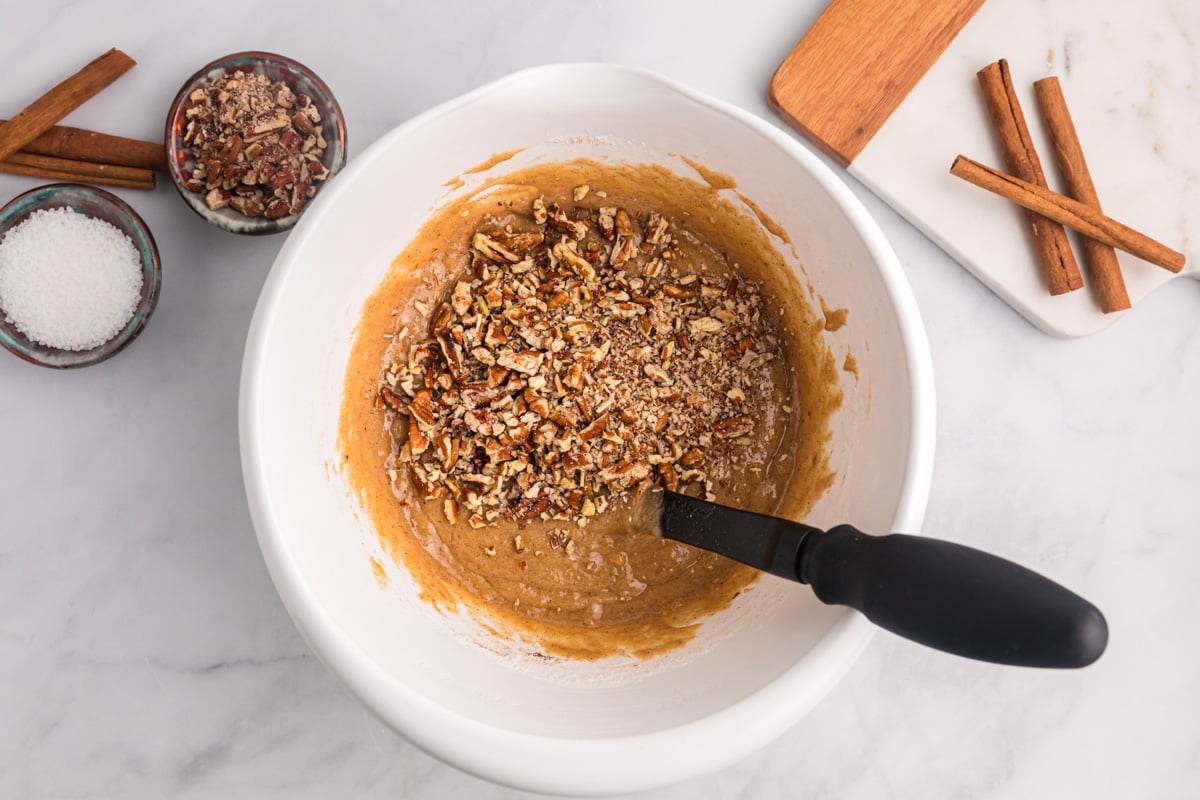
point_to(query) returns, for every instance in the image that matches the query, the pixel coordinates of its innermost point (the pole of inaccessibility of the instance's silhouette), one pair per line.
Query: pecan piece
(670, 480)
(705, 325)
(440, 321)
(217, 198)
(566, 418)
(624, 474)
(492, 249)
(421, 408)
(530, 507)
(448, 451)
(625, 246)
(460, 298)
(607, 223)
(565, 252)
(452, 352)
(418, 441)
(733, 427)
(302, 123)
(496, 376)
(277, 209)
(595, 428)
(390, 398)
(658, 374)
(559, 220)
(495, 335)
(656, 228)
(526, 362)
(678, 292)
(576, 460)
(519, 243)
(290, 140)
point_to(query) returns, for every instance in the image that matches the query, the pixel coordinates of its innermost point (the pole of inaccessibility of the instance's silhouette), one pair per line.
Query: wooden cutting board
(887, 88)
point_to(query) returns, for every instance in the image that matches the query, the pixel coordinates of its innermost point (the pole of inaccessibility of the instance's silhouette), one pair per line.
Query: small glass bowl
(102, 205)
(302, 80)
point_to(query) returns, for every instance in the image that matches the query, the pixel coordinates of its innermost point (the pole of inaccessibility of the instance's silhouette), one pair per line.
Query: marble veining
(144, 653)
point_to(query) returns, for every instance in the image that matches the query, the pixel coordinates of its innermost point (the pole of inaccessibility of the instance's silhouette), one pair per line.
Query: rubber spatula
(938, 593)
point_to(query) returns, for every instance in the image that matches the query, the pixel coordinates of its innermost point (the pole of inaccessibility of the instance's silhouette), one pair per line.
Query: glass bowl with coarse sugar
(79, 275)
(251, 139)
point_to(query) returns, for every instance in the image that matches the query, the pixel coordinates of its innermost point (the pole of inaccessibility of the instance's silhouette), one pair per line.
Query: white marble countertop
(143, 651)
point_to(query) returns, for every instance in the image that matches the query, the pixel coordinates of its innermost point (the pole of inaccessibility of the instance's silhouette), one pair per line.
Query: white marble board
(1130, 75)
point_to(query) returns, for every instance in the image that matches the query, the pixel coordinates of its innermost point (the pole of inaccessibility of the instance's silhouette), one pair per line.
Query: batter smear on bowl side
(547, 345)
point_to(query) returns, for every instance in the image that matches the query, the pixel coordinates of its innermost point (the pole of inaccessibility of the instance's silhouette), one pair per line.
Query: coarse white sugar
(68, 280)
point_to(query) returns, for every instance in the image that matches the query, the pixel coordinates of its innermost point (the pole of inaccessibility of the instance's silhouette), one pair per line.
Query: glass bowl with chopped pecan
(251, 138)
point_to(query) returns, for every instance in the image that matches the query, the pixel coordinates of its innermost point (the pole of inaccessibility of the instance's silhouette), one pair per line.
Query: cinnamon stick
(1050, 240)
(62, 141)
(36, 118)
(72, 170)
(1103, 267)
(1086, 219)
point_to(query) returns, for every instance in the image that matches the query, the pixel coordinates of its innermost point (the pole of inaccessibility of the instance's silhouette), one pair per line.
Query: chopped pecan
(418, 440)
(625, 474)
(607, 222)
(573, 460)
(526, 362)
(670, 480)
(496, 376)
(704, 325)
(519, 243)
(559, 220)
(448, 451)
(531, 507)
(565, 252)
(656, 228)
(733, 427)
(566, 418)
(421, 408)
(440, 321)
(624, 248)
(495, 335)
(460, 298)
(217, 198)
(393, 400)
(451, 352)
(251, 146)
(492, 249)
(658, 374)
(678, 292)
(594, 428)
(558, 380)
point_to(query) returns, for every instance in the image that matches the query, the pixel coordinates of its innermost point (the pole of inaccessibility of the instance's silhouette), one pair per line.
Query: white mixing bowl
(755, 669)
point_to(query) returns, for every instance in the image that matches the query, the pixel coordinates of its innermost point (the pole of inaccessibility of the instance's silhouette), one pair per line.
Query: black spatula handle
(954, 598)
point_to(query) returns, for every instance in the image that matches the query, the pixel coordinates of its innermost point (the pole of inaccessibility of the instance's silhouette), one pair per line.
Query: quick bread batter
(558, 564)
